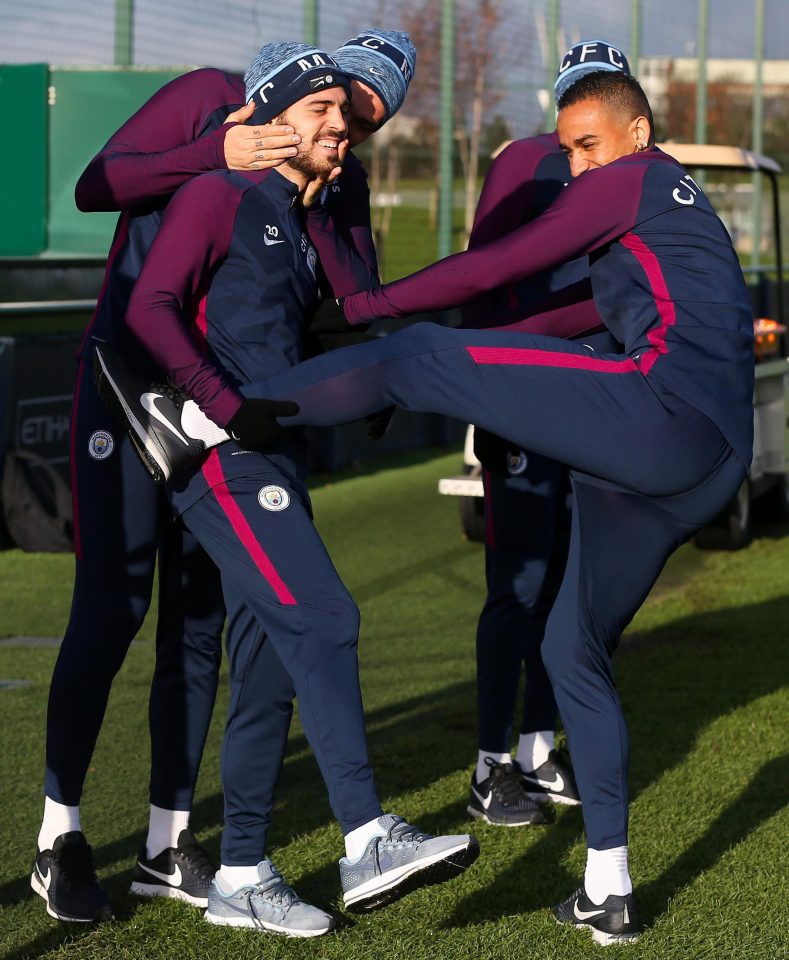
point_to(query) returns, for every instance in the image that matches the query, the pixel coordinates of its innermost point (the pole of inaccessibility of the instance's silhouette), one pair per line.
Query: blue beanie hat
(384, 60)
(285, 72)
(587, 57)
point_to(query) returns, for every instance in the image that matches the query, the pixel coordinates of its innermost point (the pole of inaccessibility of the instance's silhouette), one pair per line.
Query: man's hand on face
(260, 146)
(312, 192)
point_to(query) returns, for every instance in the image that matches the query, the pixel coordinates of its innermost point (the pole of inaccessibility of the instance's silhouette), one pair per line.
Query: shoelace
(403, 832)
(506, 786)
(76, 864)
(171, 392)
(197, 860)
(275, 890)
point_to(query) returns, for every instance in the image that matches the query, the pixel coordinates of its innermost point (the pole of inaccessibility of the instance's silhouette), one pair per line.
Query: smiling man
(219, 303)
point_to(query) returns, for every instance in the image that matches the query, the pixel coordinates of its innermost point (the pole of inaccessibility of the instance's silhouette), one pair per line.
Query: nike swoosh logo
(173, 879)
(556, 785)
(376, 73)
(45, 880)
(269, 242)
(485, 801)
(585, 914)
(148, 400)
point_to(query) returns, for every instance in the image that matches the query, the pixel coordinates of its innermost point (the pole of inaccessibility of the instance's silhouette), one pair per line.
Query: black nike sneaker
(153, 414)
(615, 920)
(183, 872)
(501, 801)
(553, 780)
(65, 877)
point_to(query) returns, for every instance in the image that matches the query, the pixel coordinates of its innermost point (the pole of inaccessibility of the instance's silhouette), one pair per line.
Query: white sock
(164, 826)
(196, 425)
(483, 769)
(606, 873)
(356, 841)
(231, 878)
(533, 749)
(58, 819)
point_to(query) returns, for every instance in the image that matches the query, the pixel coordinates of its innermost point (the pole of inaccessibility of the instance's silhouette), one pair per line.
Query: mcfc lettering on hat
(284, 73)
(586, 57)
(384, 60)
(382, 47)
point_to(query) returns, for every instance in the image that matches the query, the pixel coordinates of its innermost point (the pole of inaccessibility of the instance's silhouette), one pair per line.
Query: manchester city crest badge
(273, 498)
(100, 445)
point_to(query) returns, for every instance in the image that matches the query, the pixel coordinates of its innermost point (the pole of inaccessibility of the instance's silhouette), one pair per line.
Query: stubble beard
(305, 162)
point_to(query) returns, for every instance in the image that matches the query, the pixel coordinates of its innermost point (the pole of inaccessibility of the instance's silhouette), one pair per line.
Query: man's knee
(424, 336)
(335, 629)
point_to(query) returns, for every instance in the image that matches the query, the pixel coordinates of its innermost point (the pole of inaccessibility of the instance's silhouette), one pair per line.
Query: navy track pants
(280, 571)
(121, 521)
(647, 471)
(527, 535)
(256, 732)
(527, 529)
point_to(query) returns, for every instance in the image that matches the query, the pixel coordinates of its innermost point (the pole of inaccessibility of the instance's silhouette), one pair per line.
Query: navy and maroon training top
(523, 181)
(341, 229)
(665, 278)
(221, 299)
(177, 135)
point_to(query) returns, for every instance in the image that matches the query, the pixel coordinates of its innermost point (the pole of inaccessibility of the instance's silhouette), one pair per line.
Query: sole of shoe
(601, 938)
(150, 465)
(171, 893)
(148, 452)
(394, 884)
(612, 939)
(38, 887)
(481, 815)
(554, 798)
(249, 923)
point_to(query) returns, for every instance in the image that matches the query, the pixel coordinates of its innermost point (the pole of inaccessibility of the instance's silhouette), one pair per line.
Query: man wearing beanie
(195, 123)
(526, 495)
(527, 504)
(381, 64)
(232, 261)
(121, 524)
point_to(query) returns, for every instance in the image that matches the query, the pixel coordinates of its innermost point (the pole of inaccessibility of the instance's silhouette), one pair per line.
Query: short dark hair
(623, 94)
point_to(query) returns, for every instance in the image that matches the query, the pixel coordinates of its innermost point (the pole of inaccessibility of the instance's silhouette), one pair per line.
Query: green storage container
(63, 116)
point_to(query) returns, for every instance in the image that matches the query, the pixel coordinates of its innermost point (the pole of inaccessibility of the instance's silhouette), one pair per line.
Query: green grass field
(702, 675)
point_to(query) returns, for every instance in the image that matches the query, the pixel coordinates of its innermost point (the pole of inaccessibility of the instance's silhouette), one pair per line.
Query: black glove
(329, 317)
(254, 424)
(376, 425)
(328, 330)
(492, 452)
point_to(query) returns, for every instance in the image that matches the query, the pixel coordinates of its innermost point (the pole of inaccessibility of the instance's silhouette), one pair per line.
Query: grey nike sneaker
(270, 904)
(402, 860)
